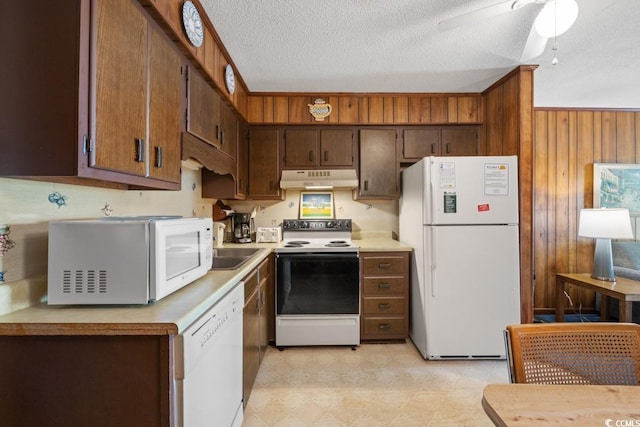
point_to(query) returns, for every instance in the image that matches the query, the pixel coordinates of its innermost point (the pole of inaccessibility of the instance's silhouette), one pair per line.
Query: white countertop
(169, 316)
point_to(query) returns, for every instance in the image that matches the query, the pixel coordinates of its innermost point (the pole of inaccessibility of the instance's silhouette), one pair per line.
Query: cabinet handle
(384, 306)
(366, 186)
(221, 137)
(311, 155)
(139, 150)
(433, 148)
(158, 156)
(326, 156)
(447, 148)
(384, 285)
(384, 266)
(217, 132)
(384, 325)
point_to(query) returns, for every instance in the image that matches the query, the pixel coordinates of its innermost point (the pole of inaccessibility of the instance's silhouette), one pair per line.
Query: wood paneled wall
(367, 109)
(567, 143)
(508, 130)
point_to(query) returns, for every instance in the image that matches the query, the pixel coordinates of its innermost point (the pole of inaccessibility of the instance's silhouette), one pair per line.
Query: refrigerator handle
(432, 270)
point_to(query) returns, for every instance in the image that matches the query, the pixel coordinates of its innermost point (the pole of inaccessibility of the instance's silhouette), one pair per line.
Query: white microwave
(126, 260)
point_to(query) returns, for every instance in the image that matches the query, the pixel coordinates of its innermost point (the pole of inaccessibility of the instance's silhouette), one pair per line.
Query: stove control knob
(331, 224)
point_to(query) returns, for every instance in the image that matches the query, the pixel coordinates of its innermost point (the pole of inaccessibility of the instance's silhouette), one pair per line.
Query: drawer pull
(384, 285)
(384, 306)
(384, 265)
(384, 325)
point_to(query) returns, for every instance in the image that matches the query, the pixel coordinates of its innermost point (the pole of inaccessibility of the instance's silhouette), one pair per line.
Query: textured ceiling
(395, 46)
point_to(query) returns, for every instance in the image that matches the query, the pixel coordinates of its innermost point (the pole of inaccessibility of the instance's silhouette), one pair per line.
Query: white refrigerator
(460, 214)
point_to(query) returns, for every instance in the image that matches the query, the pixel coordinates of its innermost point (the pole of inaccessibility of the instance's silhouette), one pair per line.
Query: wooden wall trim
(365, 109)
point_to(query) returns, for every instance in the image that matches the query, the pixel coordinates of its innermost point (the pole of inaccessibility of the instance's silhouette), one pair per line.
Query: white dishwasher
(209, 367)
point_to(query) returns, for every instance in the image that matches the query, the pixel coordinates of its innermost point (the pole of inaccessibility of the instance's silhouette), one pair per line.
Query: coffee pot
(241, 227)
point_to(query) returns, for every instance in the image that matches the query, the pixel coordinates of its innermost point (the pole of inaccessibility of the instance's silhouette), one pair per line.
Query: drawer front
(379, 327)
(250, 284)
(384, 285)
(383, 265)
(263, 269)
(384, 306)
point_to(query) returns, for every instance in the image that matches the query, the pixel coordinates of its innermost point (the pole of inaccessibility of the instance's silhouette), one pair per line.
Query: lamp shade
(556, 17)
(605, 224)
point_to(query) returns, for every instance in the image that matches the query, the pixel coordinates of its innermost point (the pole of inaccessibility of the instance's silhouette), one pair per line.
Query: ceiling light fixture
(556, 17)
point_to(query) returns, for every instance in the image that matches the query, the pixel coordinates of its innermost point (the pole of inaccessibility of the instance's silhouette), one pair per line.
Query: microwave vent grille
(84, 281)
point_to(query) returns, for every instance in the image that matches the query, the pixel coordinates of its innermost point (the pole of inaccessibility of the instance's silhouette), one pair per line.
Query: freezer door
(472, 291)
(472, 190)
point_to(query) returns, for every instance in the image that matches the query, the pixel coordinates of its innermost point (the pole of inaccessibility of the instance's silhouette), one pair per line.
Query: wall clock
(192, 24)
(229, 79)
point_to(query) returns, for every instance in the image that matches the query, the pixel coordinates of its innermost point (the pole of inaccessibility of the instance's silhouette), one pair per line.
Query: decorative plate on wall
(192, 24)
(230, 79)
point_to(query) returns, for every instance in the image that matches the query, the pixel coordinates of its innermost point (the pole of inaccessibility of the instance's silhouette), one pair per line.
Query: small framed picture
(616, 185)
(316, 205)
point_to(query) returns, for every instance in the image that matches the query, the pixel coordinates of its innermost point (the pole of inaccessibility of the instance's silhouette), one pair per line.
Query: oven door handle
(346, 255)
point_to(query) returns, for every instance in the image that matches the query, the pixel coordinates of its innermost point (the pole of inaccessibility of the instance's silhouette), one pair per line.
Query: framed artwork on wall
(616, 185)
(314, 205)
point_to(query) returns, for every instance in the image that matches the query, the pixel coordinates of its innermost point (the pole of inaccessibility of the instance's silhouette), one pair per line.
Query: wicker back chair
(574, 353)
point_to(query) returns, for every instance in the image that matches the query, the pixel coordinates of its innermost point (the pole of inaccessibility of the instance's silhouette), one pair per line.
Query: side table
(624, 290)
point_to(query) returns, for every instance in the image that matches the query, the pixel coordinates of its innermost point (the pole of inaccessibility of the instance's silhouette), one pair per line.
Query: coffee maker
(241, 226)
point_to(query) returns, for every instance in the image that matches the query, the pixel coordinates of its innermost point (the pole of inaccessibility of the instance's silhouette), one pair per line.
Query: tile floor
(375, 385)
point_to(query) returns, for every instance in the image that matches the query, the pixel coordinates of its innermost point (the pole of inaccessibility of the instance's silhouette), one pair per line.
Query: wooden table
(534, 405)
(624, 290)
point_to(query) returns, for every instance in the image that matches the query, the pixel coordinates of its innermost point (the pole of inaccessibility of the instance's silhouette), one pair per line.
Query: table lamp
(604, 225)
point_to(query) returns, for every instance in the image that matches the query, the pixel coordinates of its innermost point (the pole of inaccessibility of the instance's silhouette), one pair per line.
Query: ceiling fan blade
(535, 45)
(479, 14)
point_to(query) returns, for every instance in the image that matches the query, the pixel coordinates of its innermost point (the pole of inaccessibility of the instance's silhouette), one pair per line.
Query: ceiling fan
(555, 17)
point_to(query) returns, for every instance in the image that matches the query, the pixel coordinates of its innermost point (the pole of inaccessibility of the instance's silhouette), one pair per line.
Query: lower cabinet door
(250, 336)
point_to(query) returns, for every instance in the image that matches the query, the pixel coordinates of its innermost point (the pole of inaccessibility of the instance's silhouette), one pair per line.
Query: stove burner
(298, 242)
(338, 241)
(337, 244)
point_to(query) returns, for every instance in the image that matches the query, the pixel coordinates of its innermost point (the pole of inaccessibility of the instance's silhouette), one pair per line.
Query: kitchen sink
(228, 262)
(234, 252)
(231, 258)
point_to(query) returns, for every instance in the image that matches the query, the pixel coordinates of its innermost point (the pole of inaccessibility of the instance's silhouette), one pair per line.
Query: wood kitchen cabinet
(307, 148)
(264, 170)
(379, 176)
(385, 296)
(228, 131)
(258, 319)
(438, 141)
(251, 334)
(203, 109)
(100, 101)
(87, 380)
(229, 178)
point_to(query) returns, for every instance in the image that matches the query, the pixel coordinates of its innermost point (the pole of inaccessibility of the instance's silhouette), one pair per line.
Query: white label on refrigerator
(447, 172)
(496, 179)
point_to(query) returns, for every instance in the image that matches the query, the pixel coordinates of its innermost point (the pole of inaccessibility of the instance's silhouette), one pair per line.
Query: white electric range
(317, 284)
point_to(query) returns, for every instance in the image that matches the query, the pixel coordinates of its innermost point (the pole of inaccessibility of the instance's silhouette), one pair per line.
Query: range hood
(319, 179)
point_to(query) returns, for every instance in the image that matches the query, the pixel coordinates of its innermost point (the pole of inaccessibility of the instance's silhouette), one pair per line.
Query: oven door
(317, 284)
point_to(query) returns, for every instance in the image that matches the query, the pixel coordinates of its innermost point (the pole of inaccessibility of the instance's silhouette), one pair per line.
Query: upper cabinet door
(203, 109)
(228, 131)
(378, 164)
(120, 97)
(462, 141)
(166, 96)
(336, 147)
(300, 148)
(419, 143)
(264, 173)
